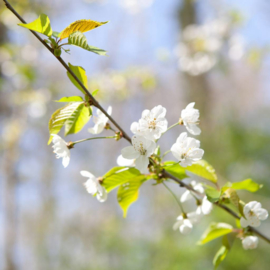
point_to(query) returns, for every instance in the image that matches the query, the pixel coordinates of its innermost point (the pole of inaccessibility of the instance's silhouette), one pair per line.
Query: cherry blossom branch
(93, 100)
(225, 208)
(123, 133)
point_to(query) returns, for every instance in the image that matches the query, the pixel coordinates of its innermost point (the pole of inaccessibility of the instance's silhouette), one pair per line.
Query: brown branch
(96, 104)
(94, 101)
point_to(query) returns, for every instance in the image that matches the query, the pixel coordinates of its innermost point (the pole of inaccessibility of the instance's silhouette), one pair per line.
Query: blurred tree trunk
(197, 87)
(10, 214)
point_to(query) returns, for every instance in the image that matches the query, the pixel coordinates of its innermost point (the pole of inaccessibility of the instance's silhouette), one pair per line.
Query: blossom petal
(141, 164)
(193, 129)
(262, 214)
(87, 174)
(186, 227)
(130, 153)
(244, 223)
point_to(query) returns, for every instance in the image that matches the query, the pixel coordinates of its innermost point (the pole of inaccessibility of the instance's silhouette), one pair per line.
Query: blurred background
(212, 52)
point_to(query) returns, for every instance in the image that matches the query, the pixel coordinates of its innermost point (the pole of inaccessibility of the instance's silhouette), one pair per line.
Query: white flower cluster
(185, 222)
(146, 132)
(199, 49)
(150, 128)
(254, 213)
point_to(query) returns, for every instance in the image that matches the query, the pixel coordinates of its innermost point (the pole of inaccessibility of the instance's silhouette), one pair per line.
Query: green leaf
(94, 93)
(81, 75)
(128, 193)
(232, 195)
(204, 170)
(71, 115)
(247, 184)
(175, 169)
(70, 99)
(214, 231)
(78, 39)
(41, 25)
(77, 120)
(56, 34)
(120, 175)
(222, 252)
(212, 194)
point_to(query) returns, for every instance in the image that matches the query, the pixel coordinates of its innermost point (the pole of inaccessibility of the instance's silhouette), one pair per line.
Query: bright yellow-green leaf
(57, 121)
(128, 193)
(70, 99)
(81, 75)
(77, 120)
(41, 25)
(222, 252)
(247, 184)
(204, 170)
(78, 39)
(212, 194)
(214, 231)
(175, 169)
(81, 25)
(232, 195)
(120, 175)
(72, 115)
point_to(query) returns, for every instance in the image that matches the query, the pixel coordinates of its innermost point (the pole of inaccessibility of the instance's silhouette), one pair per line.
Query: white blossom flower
(60, 149)
(93, 186)
(140, 150)
(206, 207)
(185, 225)
(250, 242)
(187, 194)
(100, 121)
(190, 118)
(121, 161)
(254, 213)
(187, 150)
(152, 124)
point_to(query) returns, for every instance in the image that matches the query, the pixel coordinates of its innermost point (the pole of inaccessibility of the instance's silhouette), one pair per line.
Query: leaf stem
(167, 152)
(93, 138)
(178, 201)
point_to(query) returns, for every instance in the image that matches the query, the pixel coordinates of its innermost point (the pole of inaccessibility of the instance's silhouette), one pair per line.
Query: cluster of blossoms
(150, 128)
(254, 213)
(200, 46)
(147, 131)
(186, 221)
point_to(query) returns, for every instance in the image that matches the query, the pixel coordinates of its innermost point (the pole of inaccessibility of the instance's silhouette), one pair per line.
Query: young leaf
(55, 34)
(64, 115)
(204, 170)
(232, 195)
(212, 194)
(175, 169)
(77, 120)
(222, 252)
(70, 99)
(119, 176)
(247, 184)
(41, 24)
(80, 73)
(81, 25)
(94, 93)
(128, 193)
(78, 39)
(214, 231)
